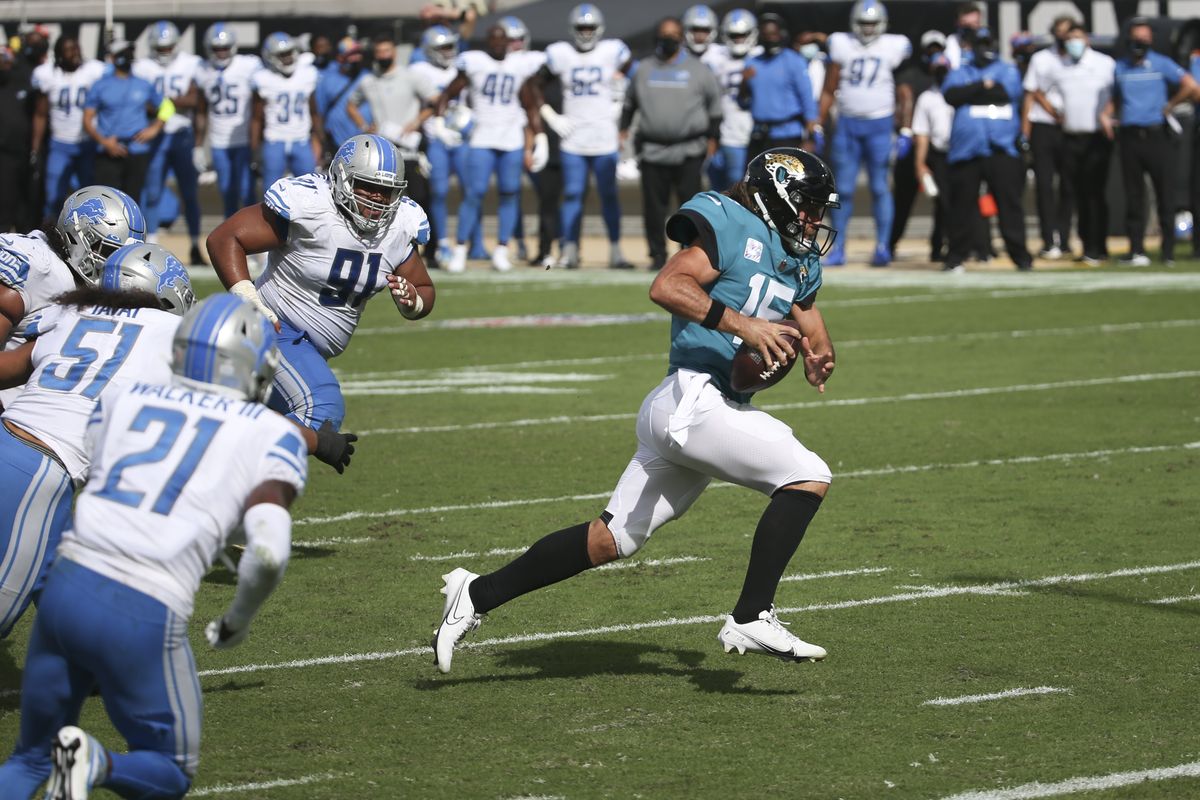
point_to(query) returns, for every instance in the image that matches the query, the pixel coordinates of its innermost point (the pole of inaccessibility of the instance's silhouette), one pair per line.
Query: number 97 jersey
(319, 281)
(867, 88)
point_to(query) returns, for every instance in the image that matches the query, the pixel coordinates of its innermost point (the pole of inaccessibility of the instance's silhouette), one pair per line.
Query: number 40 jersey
(867, 87)
(320, 280)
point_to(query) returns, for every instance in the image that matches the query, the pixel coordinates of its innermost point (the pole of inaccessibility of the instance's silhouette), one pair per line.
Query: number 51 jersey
(320, 280)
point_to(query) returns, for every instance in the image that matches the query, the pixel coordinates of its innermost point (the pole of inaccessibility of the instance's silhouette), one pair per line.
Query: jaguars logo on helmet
(792, 189)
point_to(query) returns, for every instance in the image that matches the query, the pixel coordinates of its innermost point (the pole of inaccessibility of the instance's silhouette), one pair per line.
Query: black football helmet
(792, 190)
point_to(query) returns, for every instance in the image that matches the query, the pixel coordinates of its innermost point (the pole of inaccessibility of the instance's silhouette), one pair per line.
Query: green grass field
(1016, 460)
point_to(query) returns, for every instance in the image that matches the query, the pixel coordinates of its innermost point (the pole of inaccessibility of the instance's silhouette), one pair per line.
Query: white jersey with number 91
(867, 87)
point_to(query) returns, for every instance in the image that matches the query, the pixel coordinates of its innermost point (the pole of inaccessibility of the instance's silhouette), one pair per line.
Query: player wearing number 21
(332, 241)
(751, 258)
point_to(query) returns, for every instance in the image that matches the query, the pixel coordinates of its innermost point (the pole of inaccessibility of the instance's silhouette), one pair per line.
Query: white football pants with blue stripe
(92, 632)
(305, 388)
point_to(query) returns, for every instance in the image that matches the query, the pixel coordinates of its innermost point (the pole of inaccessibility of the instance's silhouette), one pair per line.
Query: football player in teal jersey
(750, 258)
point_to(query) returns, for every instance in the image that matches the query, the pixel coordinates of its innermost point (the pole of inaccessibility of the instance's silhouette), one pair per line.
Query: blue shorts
(305, 388)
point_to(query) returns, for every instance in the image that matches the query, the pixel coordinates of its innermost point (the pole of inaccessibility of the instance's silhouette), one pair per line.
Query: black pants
(1147, 151)
(1005, 176)
(17, 212)
(981, 228)
(127, 174)
(904, 193)
(657, 182)
(1085, 166)
(549, 186)
(1054, 190)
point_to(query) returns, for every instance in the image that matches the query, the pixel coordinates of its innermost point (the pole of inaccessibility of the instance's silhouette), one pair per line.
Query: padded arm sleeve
(268, 546)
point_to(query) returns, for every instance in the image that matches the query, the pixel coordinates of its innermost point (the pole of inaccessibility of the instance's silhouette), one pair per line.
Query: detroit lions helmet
(95, 221)
(792, 189)
(149, 267)
(517, 33)
(279, 53)
(220, 44)
(699, 18)
(228, 346)
(739, 29)
(436, 41)
(164, 38)
(587, 26)
(370, 162)
(868, 20)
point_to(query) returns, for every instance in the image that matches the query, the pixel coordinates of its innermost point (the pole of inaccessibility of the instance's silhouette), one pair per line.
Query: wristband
(413, 311)
(713, 318)
(166, 110)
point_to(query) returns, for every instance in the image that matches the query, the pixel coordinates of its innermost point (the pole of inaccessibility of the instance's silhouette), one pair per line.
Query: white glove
(446, 136)
(541, 153)
(246, 291)
(221, 638)
(557, 122)
(200, 158)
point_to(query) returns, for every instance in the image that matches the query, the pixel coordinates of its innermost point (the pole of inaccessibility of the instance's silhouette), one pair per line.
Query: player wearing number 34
(751, 258)
(333, 240)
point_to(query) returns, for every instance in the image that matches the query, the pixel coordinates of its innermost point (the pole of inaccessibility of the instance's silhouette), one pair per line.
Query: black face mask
(122, 62)
(321, 62)
(666, 48)
(985, 57)
(352, 69)
(382, 65)
(1139, 49)
(772, 47)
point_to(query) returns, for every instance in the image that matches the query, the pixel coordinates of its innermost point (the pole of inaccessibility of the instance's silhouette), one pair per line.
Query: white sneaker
(568, 255)
(500, 261)
(78, 762)
(458, 616)
(767, 635)
(458, 259)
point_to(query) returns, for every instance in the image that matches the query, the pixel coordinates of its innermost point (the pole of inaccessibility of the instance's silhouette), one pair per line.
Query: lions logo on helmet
(149, 267)
(440, 45)
(225, 344)
(868, 20)
(364, 167)
(95, 221)
(739, 29)
(587, 26)
(279, 53)
(164, 38)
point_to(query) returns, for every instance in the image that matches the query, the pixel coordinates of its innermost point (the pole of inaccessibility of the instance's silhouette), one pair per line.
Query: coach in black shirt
(16, 115)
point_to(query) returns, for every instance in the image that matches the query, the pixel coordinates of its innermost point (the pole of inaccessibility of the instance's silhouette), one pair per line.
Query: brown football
(749, 373)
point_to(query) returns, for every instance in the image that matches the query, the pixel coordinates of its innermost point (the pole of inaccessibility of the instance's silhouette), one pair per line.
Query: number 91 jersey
(319, 281)
(867, 88)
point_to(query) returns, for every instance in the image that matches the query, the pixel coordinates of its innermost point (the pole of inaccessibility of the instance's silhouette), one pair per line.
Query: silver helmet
(517, 33)
(220, 36)
(149, 267)
(437, 39)
(228, 346)
(279, 53)
(94, 222)
(699, 18)
(587, 26)
(367, 161)
(739, 29)
(868, 20)
(164, 38)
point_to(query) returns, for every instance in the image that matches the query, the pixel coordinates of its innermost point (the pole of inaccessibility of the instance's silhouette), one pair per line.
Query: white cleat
(458, 616)
(500, 260)
(78, 762)
(458, 259)
(767, 635)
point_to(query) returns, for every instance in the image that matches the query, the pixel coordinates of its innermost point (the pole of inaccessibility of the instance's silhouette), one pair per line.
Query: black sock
(776, 538)
(551, 559)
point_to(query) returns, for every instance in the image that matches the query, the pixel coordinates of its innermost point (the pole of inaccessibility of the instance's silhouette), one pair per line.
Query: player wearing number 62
(176, 465)
(751, 257)
(332, 241)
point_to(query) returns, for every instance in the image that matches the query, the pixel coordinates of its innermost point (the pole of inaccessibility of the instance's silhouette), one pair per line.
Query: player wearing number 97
(93, 341)
(333, 240)
(755, 248)
(176, 465)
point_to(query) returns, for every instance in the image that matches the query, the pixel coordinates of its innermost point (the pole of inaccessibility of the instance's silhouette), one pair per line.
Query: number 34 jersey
(285, 102)
(867, 88)
(320, 280)
(82, 354)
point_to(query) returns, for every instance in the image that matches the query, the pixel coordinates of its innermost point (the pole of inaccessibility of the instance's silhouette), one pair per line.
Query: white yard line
(1093, 783)
(860, 473)
(330, 542)
(1166, 601)
(231, 788)
(928, 593)
(496, 551)
(837, 573)
(983, 698)
(950, 394)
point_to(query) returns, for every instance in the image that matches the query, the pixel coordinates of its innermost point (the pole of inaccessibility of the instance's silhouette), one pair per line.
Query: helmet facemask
(798, 219)
(355, 192)
(586, 37)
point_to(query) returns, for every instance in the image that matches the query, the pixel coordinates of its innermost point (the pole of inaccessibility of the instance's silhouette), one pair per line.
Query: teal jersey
(759, 278)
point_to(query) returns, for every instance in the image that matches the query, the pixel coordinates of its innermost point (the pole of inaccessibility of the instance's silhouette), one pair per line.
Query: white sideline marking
(651, 562)
(520, 321)
(1165, 601)
(1094, 783)
(951, 394)
(303, 543)
(983, 698)
(670, 622)
(9, 692)
(861, 473)
(495, 551)
(230, 788)
(837, 573)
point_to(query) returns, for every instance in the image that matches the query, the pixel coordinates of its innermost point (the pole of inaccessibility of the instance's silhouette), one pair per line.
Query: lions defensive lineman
(755, 249)
(225, 80)
(285, 127)
(333, 241)
(739, 30)
(176, 466)
(93, 341)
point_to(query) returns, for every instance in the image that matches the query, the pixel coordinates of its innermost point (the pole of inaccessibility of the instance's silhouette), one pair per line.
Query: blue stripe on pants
(856, 141)
(305, 388)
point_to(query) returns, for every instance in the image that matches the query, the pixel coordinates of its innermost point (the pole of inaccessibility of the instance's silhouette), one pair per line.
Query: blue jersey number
(499, 88)
(77, 359)
(172, 422)
(172, 88)
(344, 286)
(64, 101)
(289, 106)
(222, 100)
(585, 81)
(859, 67)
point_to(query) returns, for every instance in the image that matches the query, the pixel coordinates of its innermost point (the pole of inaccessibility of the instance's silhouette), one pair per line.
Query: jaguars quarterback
(750, 258)
(333, 240)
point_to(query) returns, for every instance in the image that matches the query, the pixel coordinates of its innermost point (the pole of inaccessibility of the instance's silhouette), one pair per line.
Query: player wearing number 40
(332, 241)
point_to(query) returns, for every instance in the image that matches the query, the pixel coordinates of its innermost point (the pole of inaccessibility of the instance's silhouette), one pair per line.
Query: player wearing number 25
(750, 259)
(333, 240)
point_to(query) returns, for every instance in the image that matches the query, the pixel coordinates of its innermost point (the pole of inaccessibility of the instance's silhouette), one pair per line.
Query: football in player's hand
(751, 374)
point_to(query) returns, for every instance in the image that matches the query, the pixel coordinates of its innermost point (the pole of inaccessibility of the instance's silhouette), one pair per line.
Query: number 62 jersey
(319, 281)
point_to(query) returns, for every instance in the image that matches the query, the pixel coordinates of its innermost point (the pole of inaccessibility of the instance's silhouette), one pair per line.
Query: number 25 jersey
(319, 281)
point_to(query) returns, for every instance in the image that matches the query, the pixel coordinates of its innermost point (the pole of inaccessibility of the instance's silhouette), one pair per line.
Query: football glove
(200, 159)
(557, 122)
(334, 448)
(541, 153)
(439, 131)
(220, 637)
(246, 291)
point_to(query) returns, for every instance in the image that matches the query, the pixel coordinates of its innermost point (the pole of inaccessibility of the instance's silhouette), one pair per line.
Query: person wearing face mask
(678, 104)
(333, 94)
(1147, 86)
(1085, 84)
(983, 147)
(322, 53)
(912, 79)
(124, 114)
(776, 90)
(933, 118)
(1041, 125)
(968, 19)
(811, 45)
(35, 45)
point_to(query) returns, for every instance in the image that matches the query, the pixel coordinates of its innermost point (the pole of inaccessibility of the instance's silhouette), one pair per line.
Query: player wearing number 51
(332, 241)
(751, 259)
